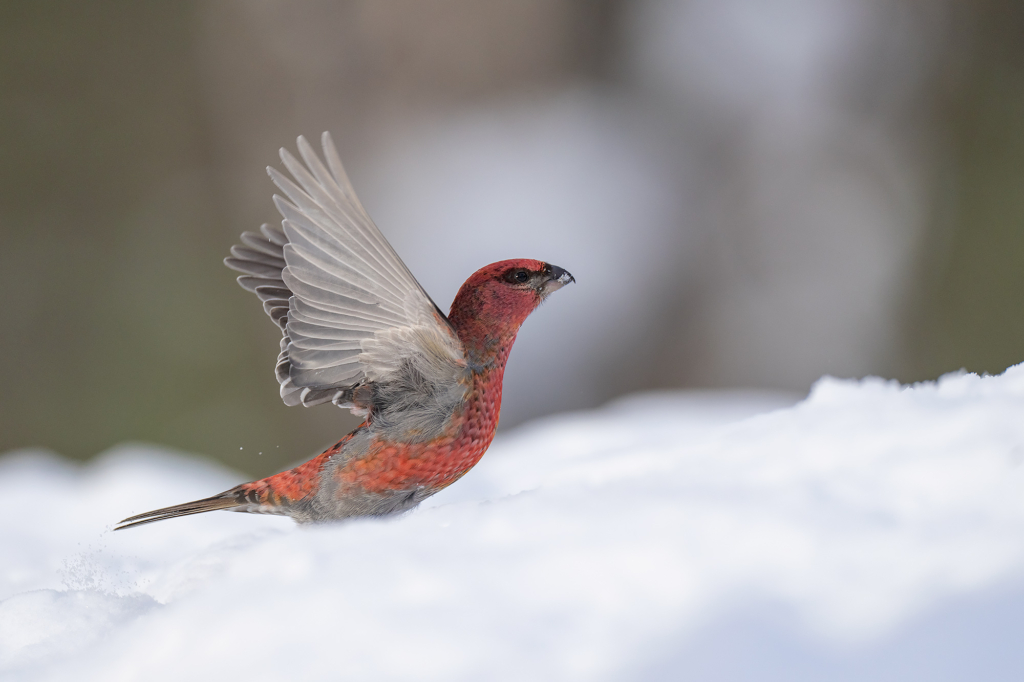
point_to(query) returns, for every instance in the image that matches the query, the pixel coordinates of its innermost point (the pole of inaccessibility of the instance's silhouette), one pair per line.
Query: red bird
(360, 332)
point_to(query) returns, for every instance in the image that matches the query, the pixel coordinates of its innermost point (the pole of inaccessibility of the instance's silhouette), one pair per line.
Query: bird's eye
(518, 276)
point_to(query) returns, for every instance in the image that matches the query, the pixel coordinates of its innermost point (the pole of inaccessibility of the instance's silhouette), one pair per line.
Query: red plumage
(359, 331)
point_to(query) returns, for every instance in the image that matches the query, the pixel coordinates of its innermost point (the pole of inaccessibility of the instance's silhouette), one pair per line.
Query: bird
(359, 332)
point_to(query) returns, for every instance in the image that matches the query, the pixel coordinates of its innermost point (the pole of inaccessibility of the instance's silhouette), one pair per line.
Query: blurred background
(750, 193)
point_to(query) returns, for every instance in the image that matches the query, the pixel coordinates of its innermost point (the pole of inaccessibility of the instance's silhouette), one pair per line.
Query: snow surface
(872, 531)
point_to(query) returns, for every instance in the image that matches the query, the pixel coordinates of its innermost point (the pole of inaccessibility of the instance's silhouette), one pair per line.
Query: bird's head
(497, 298)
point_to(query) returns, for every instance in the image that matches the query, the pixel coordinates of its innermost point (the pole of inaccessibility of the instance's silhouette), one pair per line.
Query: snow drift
(871, 531)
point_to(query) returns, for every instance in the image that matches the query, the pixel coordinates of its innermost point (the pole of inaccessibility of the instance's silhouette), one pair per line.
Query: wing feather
(258, 256)
(342, 225)
(320, 257)
(260, 243)
(251, 267)
(350, 310)
(267, 292)
(274, 235)
(250, 283)
(360, 220)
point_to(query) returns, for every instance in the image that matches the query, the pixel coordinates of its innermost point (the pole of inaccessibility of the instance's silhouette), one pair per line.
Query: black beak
(556, 278)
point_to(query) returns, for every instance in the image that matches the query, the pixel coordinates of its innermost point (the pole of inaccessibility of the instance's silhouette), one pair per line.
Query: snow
(871, 531)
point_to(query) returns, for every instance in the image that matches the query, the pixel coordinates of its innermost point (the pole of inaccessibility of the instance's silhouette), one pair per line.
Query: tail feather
(227, 500)
(282, 493)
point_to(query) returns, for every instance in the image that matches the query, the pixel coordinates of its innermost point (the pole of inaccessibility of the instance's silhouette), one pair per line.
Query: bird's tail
(230, 499)
(282, 493)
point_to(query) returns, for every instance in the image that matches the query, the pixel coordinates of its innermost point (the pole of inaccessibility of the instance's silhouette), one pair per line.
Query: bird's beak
(555, 278)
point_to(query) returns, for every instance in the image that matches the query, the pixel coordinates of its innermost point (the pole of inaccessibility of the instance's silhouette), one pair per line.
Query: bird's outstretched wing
(351, 312)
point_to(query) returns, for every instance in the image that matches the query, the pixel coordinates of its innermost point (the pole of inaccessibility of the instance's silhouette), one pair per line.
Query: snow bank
(872, 531)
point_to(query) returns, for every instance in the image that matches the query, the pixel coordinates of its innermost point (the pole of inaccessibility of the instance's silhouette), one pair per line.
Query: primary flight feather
(360, 332)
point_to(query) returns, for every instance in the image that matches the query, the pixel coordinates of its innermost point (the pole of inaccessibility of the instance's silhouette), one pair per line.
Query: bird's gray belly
(331, 504)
